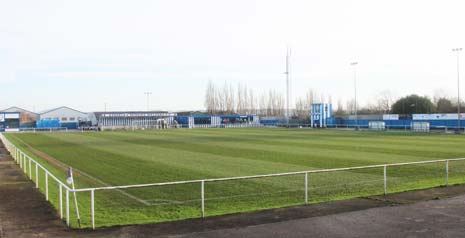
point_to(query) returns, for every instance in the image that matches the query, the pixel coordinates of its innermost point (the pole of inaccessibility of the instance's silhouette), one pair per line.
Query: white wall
(65, 114)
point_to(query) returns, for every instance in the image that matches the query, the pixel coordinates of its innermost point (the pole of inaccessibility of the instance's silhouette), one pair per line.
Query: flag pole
(71, 177)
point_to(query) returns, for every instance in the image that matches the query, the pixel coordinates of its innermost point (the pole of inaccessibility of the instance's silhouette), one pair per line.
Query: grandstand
(129, 119)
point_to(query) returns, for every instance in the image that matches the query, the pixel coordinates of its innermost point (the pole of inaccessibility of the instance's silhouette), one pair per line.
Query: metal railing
(203, 182)
(43, 129)
(26, 163)
(21, 158)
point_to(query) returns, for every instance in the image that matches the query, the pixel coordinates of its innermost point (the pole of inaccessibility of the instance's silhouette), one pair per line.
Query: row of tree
(417, 104)
(230, 99)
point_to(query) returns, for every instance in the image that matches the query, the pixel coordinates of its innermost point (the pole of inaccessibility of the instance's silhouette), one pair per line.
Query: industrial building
(27, 118)
(63, 117)
(10, 121)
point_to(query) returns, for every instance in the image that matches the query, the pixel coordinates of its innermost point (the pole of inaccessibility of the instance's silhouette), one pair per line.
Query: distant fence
(44, 129)
(434, 128)
(27, 163)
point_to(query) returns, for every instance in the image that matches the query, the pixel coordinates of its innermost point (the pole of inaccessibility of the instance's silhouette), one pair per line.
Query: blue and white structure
(221, 121)
(131, 119)
(10, 121)
(320, 113)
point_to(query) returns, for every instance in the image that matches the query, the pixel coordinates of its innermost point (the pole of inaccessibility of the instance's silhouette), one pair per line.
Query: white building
(68, 117)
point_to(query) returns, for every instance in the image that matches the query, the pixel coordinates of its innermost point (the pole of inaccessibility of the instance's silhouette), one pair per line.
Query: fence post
(306, 188)
(202, 191)
(92, 210)
(46, 186)
(24, 159)
(447, 172)
(385, 180)
(30, 169)
(37, 176)
(20, 161)
(67, 207)
(61, 200)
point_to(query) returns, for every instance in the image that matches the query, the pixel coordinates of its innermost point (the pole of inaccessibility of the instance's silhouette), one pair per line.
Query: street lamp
(457, 50)
(148, 95)
(354, 64)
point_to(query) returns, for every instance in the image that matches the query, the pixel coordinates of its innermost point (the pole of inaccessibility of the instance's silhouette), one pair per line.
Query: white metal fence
(26, 162)
(44, 129)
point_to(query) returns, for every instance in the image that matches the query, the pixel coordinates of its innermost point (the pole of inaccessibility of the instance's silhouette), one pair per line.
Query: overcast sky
(85, 53)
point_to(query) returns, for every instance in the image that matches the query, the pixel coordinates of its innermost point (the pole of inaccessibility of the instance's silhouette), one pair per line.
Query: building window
(64, 119)
(72, 118)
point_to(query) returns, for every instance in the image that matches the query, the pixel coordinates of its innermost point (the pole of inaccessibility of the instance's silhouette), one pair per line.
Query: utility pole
(457, 50)
(288, 56)
(354, 64)
(148, 99)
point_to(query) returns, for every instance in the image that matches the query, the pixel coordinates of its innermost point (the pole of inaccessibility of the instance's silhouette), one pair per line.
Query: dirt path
(24, 213)
(22, 207)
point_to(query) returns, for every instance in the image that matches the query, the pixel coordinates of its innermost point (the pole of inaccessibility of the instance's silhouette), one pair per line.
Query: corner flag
(69, 178)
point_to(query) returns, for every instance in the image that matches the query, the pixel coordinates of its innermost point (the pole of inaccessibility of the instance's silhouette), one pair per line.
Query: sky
(85, 54)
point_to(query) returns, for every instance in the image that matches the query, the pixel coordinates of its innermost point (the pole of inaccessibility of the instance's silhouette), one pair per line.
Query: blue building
(320, 114)
(392, 121)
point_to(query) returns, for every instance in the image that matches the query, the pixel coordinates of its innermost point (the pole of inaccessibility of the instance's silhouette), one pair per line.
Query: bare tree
(384, 101)
(340, 108)
(350, 106)
(230, 104)
(239, 99)
(300, 108)
(210, 98)
(252, 102)
(263, 105)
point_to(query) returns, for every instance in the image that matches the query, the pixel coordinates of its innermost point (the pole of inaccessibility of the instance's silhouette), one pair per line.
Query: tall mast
(288, 55)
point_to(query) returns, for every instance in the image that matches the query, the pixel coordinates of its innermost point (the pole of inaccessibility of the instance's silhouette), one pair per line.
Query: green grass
(122, 158)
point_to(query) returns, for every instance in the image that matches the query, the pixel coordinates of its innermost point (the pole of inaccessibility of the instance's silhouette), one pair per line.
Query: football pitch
(138, 157)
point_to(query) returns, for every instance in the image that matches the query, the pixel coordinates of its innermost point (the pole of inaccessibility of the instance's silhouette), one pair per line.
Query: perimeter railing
(202, 183)
(43, 129)
(26, 161)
